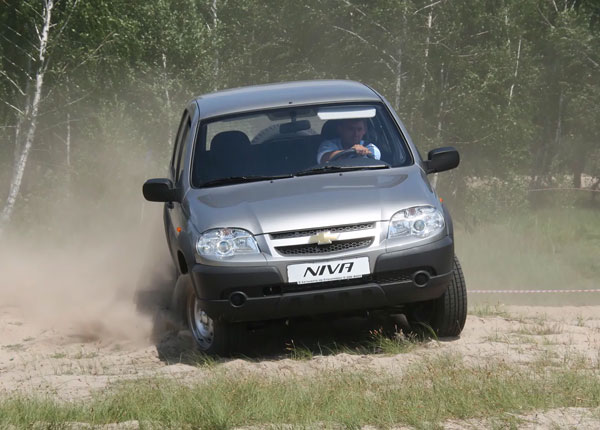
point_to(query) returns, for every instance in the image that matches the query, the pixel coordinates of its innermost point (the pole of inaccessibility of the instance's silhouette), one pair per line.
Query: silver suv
(300, 199)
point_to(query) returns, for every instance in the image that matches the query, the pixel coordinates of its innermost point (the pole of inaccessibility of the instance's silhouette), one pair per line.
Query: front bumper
(269, 297)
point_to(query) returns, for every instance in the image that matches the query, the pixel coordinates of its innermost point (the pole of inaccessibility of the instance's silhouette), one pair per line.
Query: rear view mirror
(294, 126)
(441, 159)
(160, 190)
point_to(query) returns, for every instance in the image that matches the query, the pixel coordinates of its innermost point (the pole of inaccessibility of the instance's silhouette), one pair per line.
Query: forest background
(92, 91)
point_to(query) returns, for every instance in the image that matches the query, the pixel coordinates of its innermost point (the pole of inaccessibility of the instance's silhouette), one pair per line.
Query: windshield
(296, 141)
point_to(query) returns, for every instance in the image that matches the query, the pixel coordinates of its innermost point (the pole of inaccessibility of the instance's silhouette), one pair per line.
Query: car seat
(329, 129)
(229, 154)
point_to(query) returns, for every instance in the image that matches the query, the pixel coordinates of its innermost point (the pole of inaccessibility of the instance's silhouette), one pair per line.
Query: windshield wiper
(329, 169)
(240, 180)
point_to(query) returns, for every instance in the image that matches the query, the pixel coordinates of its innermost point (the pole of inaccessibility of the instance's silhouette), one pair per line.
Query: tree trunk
(440, 125)
(30, 121)
(68, 141)
(215, 43)
(549, 156)
(427, 43)
(398, 80)
(546, 150)
(577, 172)
(512, 87)
(23, 118)
(167, 99)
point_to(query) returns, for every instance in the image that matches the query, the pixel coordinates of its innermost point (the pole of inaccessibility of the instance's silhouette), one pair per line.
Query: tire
(446, 315)
(210, 336)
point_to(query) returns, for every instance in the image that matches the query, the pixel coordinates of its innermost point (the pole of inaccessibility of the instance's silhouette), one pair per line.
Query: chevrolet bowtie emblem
(323, 238)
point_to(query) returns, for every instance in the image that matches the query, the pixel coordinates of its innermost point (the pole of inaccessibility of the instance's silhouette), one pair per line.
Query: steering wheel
(349, 153)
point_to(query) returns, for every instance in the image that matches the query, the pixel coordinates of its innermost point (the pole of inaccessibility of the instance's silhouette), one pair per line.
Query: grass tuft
(378, 341)
(14, 347)
(58, 355)
(399, 343)
(543, 329)
(200, 359)
(489, 310)
(298, 352)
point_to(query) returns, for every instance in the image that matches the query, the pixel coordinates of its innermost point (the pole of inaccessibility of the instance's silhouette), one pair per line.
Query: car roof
(260, 97)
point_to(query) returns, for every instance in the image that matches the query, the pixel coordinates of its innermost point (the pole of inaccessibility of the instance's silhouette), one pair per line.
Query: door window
(183, 134)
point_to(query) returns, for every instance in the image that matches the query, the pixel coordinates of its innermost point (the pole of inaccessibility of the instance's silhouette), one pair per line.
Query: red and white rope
(531, 291)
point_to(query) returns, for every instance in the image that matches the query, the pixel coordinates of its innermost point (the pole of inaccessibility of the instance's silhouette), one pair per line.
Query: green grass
(489, 310)
(80, 355)
(58, 355)
(543, 329)
(427, 394)
(399, 343)
(14, 347)
(516, 339)
(298, 352)
(378, 342)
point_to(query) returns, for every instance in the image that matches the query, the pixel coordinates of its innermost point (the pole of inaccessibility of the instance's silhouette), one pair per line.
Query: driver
(351, 132)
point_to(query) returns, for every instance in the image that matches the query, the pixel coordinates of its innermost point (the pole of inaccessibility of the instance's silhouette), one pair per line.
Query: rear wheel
(447, 314)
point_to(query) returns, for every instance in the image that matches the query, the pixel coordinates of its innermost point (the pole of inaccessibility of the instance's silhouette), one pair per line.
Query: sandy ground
(71, 362)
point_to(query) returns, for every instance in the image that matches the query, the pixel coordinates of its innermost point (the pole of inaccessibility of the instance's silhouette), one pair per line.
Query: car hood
(309, 201)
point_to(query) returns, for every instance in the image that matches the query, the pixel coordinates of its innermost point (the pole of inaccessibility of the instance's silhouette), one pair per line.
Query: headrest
(329, 130)
(230, 141)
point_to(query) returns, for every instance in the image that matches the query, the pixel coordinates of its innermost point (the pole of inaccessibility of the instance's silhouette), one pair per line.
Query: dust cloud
(90, 266)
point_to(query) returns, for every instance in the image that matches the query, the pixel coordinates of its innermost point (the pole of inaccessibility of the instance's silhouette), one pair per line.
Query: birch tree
(214, 32)
(29, 114)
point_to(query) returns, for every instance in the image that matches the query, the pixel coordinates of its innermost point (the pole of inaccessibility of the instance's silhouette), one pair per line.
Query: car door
(172, 211)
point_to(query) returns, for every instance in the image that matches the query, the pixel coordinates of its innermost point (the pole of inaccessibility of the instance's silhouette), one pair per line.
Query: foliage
(513, 85)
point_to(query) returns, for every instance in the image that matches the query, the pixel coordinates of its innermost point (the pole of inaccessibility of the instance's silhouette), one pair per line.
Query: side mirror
(441, 159)
(160, 190)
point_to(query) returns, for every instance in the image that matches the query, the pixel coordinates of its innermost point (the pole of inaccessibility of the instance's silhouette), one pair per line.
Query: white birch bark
(441, 111)
(398, 79)
(558, 133)
(24, 116)
(31, 118)
(168, 99)
(215, 24)
(68, 156)
(18, 130)
(512, 87)
(68, 137)
(440, 124)
(68, 142)
(427, 43)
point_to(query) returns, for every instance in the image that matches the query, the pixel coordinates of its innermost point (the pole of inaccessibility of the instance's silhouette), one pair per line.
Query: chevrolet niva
(301, 199)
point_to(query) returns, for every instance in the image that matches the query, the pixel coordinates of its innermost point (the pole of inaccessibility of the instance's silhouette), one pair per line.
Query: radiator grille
(312, 232)
(313, 248)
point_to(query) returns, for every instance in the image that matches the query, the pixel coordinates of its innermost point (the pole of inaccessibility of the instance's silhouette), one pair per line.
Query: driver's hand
(361, 150)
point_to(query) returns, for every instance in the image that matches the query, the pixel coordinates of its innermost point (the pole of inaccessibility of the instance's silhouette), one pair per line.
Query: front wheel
(447, 314)
(210, 336)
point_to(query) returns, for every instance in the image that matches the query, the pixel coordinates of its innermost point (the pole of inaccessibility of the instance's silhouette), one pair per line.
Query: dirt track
(73, 362)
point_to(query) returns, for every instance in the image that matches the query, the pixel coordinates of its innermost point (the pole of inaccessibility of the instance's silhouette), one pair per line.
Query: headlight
(226, 242)
(420, 221)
